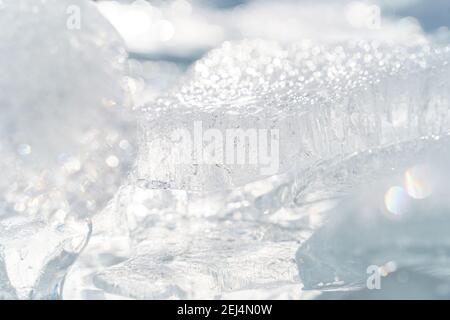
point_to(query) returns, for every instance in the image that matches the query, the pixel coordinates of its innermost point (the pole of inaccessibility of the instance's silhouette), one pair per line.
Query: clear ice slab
(333, 106)
(292, 106)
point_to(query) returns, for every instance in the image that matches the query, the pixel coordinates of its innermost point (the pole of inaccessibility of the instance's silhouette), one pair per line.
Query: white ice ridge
(63, 145)
(312, 102)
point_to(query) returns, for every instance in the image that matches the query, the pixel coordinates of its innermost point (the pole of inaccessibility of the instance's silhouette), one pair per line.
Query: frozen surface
(318, 102)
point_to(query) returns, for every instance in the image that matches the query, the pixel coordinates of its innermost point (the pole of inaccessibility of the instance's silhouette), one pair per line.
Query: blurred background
(164, 37)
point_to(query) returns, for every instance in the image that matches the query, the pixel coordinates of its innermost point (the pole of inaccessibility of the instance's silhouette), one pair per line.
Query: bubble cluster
(261, 77)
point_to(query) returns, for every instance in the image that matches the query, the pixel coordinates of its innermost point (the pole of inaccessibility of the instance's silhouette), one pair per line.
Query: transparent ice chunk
(312, 102)
(334, 105)
(35, 255)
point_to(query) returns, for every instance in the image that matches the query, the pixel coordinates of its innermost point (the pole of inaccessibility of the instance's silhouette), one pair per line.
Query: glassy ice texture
(63, 136)
(292, 106)
(146, 245)
(35, 255)
(179, 257)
